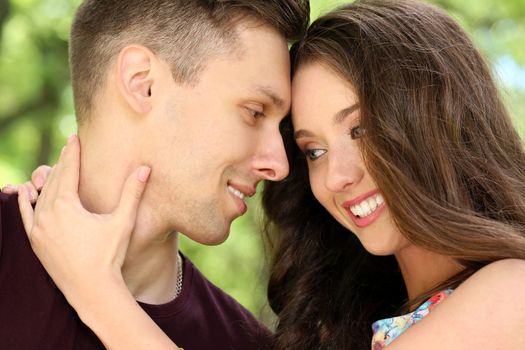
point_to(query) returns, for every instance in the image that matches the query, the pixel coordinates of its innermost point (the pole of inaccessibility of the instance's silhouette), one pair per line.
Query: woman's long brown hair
(438, 143)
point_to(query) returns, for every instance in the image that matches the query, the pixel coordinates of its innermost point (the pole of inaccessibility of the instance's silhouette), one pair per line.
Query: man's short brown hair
(182, 32)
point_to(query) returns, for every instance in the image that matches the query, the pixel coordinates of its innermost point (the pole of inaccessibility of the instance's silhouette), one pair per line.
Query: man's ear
(135, 78)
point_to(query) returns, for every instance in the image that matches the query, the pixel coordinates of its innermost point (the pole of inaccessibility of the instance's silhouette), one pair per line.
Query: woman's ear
(135, 78)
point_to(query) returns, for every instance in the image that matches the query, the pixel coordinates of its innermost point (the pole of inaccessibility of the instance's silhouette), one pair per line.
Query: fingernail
(62, 152)
(9, 187)
(39, 182)
(31, 195)
(144, 173)
(71, 138)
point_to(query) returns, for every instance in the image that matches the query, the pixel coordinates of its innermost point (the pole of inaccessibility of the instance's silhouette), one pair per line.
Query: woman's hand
(38, 179)
(79, 248)
(83, 252)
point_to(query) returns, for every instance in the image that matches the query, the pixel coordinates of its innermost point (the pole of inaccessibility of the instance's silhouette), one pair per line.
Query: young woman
(402, 222)
(400, 142)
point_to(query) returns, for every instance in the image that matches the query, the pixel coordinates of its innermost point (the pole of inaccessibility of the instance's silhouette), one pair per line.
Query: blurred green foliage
(36, 111)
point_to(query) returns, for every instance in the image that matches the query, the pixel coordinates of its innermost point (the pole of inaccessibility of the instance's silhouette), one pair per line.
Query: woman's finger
(44, 198)
(26, 210)
(32, 193)
(70, 167)
(51, 186)
(40, 176)
(126, 211)
(10, 189)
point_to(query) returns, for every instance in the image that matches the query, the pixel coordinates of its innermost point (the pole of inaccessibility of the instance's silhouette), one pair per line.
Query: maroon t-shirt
(34, 315)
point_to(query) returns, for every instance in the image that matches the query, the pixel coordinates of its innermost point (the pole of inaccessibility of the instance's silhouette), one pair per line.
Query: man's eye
(255, 114)
(314, 154)
(356, 132)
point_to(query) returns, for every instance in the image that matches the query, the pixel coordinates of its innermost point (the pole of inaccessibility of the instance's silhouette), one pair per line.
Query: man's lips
(239, 193)
(246, 190)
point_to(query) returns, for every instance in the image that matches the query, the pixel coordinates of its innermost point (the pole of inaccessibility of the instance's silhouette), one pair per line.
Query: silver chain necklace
(178, 286)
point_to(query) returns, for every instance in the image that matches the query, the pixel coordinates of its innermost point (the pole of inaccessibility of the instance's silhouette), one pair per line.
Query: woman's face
(325, 114)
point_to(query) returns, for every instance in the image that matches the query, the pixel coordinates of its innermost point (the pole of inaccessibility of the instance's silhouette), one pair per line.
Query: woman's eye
(314, 154)
(356, 132)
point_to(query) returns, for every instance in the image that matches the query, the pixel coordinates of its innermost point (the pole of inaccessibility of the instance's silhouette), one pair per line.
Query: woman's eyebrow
(340, 116)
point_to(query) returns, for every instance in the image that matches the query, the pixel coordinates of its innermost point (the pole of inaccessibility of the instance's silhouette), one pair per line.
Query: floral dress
(385, 331)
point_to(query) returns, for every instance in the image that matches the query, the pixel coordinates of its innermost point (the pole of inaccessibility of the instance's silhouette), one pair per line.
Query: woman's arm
(119, 322)
(486, 312)
(84, 252)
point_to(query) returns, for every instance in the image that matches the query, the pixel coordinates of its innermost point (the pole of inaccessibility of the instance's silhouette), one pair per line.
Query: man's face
(210, 143)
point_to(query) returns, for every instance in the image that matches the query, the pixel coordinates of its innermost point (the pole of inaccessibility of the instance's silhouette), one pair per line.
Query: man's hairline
(234, 51)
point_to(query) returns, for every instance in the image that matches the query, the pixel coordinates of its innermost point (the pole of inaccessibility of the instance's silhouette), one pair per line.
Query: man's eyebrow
(339, 117)
(269, 92)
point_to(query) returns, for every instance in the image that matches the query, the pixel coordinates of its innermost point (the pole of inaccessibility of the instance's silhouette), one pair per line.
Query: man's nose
(272, 163)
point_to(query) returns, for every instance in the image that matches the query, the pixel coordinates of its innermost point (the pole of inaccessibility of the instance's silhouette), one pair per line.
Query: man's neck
(150, 267)
(150, 272)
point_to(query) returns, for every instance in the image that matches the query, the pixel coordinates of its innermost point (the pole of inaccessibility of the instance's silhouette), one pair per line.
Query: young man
(195, 90)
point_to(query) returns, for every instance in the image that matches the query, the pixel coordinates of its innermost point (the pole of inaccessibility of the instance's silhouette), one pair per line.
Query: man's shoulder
(9, 205)
(30, 301)
(10, 218)
(222, 309)
(8, 200)
(201, 284)
(12, 232)
(9, 211)
(214, 294)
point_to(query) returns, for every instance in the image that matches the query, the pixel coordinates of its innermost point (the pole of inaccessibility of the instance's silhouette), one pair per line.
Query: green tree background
(36, 112)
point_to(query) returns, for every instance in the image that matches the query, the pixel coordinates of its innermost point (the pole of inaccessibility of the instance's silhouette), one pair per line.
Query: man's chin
(211, 238)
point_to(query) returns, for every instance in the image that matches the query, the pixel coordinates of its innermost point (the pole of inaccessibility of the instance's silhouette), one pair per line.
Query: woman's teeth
(236, 192)
(368, 206)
